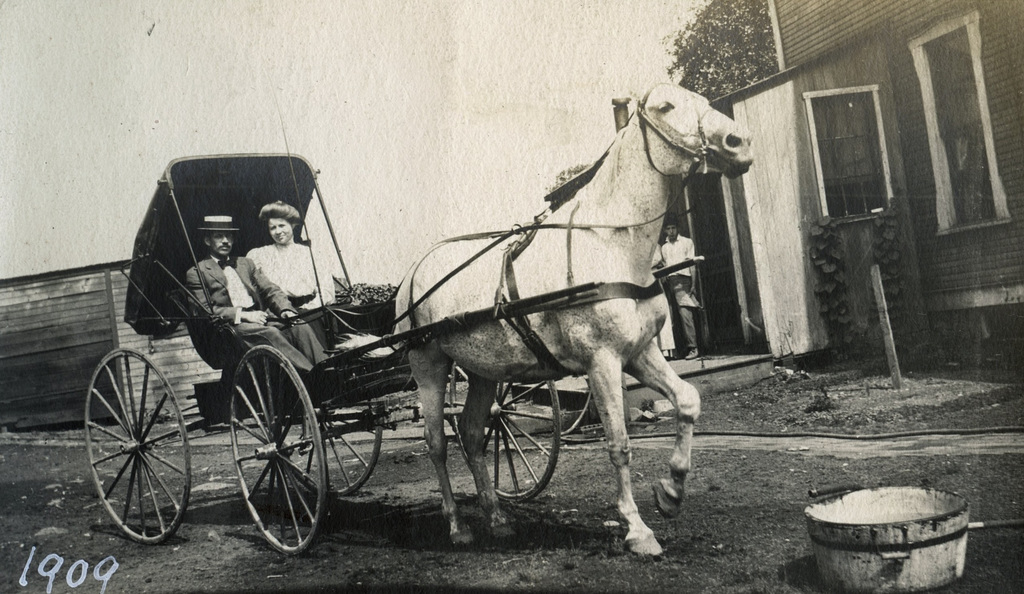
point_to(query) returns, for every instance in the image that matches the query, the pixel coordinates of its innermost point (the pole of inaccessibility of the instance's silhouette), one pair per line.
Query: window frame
(944, 205)
(883, 154)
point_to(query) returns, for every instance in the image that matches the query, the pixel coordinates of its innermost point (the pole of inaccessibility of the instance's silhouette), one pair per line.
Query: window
(968, 190)
(849, 151)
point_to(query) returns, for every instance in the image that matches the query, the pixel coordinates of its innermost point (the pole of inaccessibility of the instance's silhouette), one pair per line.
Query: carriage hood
(167, 243)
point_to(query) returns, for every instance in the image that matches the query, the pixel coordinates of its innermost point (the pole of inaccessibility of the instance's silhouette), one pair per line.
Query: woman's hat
(218, 223)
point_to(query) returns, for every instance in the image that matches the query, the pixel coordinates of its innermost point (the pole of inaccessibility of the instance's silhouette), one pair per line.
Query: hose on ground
(573, 439)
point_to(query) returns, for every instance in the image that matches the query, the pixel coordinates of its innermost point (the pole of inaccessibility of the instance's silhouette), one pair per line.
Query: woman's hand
(254, 317)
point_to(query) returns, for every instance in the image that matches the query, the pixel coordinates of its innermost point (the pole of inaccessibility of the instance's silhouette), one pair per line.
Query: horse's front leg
(430, 368)
(472, 428)
(606, 386)
(651, 368)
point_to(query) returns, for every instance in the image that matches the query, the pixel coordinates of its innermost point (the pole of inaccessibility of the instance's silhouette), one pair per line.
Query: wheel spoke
(117, 478)
(152, 494)
(114, 414)
(515, 442)
(298, 480)
(131, 485)
(527, 415)
(131, 393)
(260, 438)
(510, 424)
(166, 463)
(163, 485)
(109, 457)
(142, 399)
(307, 480)
(511, 462)
(103, 429)
(286, 419)
(291, 507)
(123, 416)
(241, 394)
(162, 437)
(259, 481)
(156, 414)
(520, 397)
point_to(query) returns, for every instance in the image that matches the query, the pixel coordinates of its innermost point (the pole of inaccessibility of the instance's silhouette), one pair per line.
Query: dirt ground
(742, 528)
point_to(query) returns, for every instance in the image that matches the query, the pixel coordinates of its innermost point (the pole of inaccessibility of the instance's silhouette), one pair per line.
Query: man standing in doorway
(679, 285)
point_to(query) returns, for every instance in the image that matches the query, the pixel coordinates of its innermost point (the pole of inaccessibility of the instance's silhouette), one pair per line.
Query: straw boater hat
(218, 223)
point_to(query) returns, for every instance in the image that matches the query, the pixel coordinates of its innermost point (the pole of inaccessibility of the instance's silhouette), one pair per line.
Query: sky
(427, 119)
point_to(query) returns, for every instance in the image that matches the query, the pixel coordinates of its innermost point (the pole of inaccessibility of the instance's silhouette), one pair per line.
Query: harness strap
(521, 324)
(570, 280)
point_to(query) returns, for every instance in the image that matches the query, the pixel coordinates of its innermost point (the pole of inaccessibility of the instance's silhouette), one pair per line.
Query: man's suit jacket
(266, 295)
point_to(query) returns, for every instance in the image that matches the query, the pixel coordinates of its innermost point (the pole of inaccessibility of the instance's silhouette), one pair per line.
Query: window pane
(851, 162)
(959, 119)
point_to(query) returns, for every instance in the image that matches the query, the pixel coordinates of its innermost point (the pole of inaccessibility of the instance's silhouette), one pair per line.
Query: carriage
(289, 435)
(293, 442)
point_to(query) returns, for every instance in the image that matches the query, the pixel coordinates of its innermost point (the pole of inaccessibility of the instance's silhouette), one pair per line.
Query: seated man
(242, 296)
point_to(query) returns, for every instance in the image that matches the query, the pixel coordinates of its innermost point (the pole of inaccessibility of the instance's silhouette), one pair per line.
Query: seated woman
(287, 264)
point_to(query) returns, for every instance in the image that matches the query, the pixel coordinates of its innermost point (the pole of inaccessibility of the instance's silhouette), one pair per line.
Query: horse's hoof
(667, 498)
(462, 538)
(647, 545)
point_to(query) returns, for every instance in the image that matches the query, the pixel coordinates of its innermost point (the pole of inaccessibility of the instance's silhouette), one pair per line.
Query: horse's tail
(348, 342)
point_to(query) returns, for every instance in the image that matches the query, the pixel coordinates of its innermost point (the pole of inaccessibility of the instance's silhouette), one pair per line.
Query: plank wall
(969, 267)
(54, 330)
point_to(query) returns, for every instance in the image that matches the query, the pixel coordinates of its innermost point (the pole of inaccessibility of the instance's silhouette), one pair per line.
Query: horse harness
(559, 196)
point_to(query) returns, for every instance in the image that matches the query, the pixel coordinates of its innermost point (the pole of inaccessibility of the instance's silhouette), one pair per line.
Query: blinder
(673, 138)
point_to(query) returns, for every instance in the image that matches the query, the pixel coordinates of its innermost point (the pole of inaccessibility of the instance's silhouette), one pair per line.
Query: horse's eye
(733, 141)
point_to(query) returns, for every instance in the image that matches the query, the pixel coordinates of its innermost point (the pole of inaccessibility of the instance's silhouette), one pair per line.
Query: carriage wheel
(138, 448)
(522, 437)
(352, 449)
(279, 455)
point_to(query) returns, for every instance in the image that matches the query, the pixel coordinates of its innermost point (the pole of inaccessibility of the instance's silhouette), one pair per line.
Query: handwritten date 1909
(77, 573)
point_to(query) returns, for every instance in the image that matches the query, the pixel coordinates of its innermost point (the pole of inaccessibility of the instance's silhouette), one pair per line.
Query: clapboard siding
(987, 258)
(55, 329)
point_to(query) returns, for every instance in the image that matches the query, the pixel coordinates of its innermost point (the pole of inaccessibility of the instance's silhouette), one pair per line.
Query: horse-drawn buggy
(569, 293)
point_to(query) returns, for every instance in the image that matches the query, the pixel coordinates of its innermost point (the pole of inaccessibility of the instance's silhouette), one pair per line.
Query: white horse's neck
(628, 193)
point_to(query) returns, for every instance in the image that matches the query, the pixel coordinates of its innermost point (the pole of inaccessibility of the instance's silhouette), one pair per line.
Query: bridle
(671, 137)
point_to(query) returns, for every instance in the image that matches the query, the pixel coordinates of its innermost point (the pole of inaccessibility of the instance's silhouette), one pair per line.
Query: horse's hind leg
(430, 368)
(472, 427)
(606, 385)
(651, 368)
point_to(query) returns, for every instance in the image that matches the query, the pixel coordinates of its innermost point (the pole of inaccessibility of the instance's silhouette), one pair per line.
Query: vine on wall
(886, 248)
(827, 255)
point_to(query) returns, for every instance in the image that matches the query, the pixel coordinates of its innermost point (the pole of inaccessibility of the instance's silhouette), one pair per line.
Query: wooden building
(56, 327)
(912, 108)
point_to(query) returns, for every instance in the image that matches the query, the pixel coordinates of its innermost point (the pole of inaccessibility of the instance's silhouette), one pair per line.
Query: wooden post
(620, 107)
(883, 321)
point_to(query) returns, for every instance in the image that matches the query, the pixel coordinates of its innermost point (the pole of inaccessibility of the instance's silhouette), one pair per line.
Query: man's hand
(255, 317)
(288, 314)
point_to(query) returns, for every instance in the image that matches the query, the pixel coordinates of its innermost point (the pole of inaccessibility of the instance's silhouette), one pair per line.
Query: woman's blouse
(289, 267)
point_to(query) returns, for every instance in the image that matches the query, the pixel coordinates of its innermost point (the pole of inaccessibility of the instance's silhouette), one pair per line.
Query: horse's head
(687, 127)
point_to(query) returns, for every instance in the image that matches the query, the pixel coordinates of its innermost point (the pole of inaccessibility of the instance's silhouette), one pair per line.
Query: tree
(728, 45)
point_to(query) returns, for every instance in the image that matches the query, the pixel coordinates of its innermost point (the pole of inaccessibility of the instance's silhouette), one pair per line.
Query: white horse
(612, 225)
